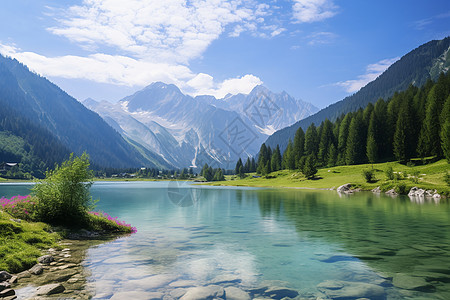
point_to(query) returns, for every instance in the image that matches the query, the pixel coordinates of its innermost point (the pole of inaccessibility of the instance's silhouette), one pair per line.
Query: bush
(369, 175)
(398, 176)
(389, 172)
(401, 188)
(447, 178)
(415, 176)
(20, 207)
(103, 221)
(64, 196)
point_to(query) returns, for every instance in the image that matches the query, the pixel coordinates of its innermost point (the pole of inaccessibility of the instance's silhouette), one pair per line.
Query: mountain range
(415, 68)
(186, 131)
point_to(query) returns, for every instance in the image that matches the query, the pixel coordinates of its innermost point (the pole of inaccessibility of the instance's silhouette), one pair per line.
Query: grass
(21, 243)
(431, 177)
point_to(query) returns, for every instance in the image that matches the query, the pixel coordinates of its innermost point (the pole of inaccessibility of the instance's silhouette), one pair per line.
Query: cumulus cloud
(308, 11)
(372, 72)
(126, 71)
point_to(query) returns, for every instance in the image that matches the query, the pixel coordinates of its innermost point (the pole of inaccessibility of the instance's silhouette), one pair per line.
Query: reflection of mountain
(186, 131)
(391, 235)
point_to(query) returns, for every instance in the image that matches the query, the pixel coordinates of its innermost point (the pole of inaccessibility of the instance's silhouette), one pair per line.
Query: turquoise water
(247, 237)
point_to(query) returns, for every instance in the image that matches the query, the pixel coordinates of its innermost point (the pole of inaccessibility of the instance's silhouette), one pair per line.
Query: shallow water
(192, 235)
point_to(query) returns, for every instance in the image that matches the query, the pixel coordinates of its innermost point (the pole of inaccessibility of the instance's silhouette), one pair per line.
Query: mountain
(75, 128)
(186, 131)
(423, 63)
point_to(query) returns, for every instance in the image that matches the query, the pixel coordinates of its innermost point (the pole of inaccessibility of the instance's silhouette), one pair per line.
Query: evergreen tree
(431, 140)
(276, 159)
(371, 149)
(342, 138)
(238, 166)
(402, 137)
(311, 140)
(253, 165)
(218, 176)
(299, 145)
(288, 161)
(241, 172)
(247, 166)
(326, 139)
(331, 156)
(445, 130)
(355, 146)
(309, 169)
(262, 159)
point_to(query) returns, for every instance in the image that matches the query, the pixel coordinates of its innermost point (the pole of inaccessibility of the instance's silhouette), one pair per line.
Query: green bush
(389, 172)
(447, 178)
(369, 175)
(415, 176)
(64, 196)
(401, 188)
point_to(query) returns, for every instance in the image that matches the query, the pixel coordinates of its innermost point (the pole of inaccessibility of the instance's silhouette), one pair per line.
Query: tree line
(413, 123)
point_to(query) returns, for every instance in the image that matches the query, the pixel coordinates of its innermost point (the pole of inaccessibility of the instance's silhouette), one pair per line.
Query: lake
(316, 243)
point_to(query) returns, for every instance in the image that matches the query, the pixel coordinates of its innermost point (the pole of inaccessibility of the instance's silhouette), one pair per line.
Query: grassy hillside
(431, 176)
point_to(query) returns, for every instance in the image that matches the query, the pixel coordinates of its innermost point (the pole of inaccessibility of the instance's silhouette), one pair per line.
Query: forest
(414, 123)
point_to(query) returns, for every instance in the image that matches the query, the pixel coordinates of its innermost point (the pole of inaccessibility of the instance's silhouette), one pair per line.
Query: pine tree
(331, 156)
(262, 159)
(342, 138)
(371, 149)
(276, 159)
(309, 169)
(432, 124)
(253, 165)
(238, 166)
(288, 161)
(311, 140)
(247, 166)
(445, 130)
(355, 147)
(326, 139)
(241, 172)
(299, 145)
(218, 176)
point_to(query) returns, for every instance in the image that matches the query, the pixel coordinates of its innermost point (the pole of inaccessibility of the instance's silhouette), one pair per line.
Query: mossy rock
(9, 228)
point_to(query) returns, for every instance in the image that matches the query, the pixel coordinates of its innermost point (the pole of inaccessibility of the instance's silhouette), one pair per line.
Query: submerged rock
(280, 292)
(337, 289)
(204, 293)
(46, 259)
(234, 293)
(408, 282)
(50, 289)
(391, 192)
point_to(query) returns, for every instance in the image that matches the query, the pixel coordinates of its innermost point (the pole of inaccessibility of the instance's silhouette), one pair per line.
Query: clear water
(263, 236)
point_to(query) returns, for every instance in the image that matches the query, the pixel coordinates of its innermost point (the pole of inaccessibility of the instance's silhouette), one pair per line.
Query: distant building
(6, 166)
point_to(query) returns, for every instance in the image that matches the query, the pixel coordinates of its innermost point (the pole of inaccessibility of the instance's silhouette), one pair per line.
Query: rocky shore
(415, 193)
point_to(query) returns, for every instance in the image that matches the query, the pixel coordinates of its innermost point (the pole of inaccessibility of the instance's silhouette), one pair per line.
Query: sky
(316, 50)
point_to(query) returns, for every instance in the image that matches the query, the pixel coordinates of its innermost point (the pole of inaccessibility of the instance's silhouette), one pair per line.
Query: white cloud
(126, 71)
(319, 38)
(308, 11)
(173, 31)
(372, 72)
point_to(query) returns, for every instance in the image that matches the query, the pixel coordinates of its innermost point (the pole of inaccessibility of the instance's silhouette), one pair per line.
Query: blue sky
(316, 50)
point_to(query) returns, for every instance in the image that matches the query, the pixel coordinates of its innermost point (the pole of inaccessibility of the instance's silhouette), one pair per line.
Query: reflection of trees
(376, 229)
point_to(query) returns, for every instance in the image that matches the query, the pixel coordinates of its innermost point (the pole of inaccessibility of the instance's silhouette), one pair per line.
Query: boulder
(4, 276)
(337, 289)
(4, 285)
(204, 293)
(7, 293)
(392, 192)
(280, 292)
(13, 279)
(50, 289)
(46, 259)
(234, 293)
(345, 189)
(376, 190)
(408, 282)
(36, 269)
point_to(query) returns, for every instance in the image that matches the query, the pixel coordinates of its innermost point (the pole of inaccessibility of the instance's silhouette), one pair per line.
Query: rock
(280, 292)
(376, 190)
(408, 282)
(4, 285)
(10, 298)
(60, 276)
(204, 293)
(233, 293)
(177, 293)
(221, 279)
(13, 279)
(24, 274)
(137, 295)
(7, 293)
(46, 259)
(50, 289)
(4, 276)
(436, 196)
(36, 269)
(392, 192)
(337, 289)
(183, 283)
(345, 189)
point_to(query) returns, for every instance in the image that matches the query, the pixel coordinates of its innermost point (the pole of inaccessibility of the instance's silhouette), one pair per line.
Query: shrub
(369, 175)
(401, 188)
(64, 196)
(415, 176)
(103, 221)
(447, 178)
(389, 172)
